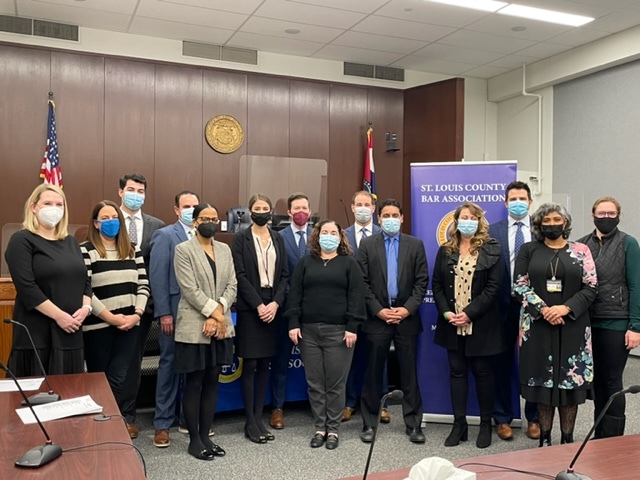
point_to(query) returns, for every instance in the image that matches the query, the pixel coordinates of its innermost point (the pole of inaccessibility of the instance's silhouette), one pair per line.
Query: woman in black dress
(466, 279)
(53, 292)
(261, 270)
(325, 309)
(204, 330)
(557, 282)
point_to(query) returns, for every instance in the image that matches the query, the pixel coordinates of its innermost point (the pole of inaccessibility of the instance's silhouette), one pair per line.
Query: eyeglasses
(600, 214)
(208, 220)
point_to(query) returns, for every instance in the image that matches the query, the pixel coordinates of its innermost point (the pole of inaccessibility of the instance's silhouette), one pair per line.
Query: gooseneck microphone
(393, 396)
(42, 397)
(346, 212)
(42, 454)
(569, 473)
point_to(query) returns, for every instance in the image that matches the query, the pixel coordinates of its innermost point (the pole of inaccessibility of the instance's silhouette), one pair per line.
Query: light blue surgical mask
(390, 225)
(133, 200)
(467, 227)
(328, 243)
(518, 208)
(110, 227)
(186, 216)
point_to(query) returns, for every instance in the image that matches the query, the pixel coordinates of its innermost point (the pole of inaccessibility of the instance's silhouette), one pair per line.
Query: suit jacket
(413, 277)
(151, 224)
(200, 292)
(162, 276)
(291, 248)
(245, 260)
(350, 232)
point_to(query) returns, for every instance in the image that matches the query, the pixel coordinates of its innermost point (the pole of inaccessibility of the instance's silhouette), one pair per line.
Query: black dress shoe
(253, 434)
(367, 434)
(415, 434)
(217, 450)
(332, 442)
(269, 436)
(202, 454)
(318, 440)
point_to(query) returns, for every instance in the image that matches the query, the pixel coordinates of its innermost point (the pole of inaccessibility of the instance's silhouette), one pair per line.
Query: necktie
(302, 245)
(519, 241)
(392, 268)
(133, 230)
(364, 233)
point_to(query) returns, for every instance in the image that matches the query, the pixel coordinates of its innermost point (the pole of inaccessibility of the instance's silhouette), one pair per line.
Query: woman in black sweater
(325, 309)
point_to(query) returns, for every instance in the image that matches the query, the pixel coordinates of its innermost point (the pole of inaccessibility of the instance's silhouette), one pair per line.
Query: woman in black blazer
(261, 269)
(466, 279)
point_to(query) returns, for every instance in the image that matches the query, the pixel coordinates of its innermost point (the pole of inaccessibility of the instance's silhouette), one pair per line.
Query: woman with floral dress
(556, 280)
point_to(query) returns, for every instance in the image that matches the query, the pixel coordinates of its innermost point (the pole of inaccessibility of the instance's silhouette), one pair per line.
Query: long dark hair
(314, 239)
(123, 244)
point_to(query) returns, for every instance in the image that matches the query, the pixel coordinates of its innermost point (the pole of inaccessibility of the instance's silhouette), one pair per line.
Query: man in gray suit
(162, 279)
(132, 191)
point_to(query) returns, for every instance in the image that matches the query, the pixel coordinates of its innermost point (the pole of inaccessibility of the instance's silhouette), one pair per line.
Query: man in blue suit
(511, 233)
(162, 279)
(296, 237)
(363, 206)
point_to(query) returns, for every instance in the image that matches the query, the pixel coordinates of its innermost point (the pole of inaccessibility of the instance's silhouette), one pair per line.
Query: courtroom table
(111, 461)
(604, 459)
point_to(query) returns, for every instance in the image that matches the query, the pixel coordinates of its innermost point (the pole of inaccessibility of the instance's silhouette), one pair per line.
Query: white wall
(480, 118)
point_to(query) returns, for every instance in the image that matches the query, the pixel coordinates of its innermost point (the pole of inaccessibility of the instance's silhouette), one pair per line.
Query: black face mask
(207, 230)
(552, 232)
(260, 218)
(606, 225)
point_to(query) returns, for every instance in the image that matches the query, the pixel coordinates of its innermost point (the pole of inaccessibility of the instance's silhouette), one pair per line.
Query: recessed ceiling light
(484, 5)
(292, 31)
(543, 15)
(519, 28)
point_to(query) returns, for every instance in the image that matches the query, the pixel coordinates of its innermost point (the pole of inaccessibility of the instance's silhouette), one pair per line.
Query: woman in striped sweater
(120, 293)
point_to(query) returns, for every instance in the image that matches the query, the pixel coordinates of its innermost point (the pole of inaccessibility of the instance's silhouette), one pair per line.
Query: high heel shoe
(459, 432)
(545, 437)
(484, 436)
(254, 435)
(566, 437)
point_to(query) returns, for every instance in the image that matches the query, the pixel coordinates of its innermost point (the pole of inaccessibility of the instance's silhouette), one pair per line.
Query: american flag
(50, 169)
(369, 183)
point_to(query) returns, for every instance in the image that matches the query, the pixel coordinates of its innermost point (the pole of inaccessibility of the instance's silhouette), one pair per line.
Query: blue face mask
(110, 228)
(132, 200)
(186, 216)
(467, 227)
(518, 208)
(390, 225)
(328, 243)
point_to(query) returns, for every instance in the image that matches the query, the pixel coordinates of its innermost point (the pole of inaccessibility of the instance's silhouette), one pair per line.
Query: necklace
(325, 261)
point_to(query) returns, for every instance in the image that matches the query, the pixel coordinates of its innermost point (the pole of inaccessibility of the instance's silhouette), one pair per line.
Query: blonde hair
(31, 221)
(453, 244)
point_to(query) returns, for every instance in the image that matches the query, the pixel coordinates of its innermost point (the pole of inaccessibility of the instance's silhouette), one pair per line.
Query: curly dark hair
(541, 212)
(314, 239)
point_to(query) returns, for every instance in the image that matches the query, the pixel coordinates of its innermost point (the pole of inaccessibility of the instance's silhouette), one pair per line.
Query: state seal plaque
(224, 133)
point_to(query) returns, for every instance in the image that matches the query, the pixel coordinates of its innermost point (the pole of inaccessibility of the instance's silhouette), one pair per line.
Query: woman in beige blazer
(204, 330)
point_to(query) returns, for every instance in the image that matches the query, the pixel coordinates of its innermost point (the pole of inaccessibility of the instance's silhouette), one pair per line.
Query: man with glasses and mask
(395, 272)
(162, 279)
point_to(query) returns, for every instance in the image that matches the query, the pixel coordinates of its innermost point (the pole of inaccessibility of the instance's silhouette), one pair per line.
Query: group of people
(342, 296)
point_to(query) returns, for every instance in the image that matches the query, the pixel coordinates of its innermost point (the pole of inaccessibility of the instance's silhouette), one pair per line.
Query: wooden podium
(7, 301)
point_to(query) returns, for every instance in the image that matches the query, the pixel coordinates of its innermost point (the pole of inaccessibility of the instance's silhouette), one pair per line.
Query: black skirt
(255, 338)
(192, 357)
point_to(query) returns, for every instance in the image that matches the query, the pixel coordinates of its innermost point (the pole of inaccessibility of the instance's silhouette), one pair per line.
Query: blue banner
(437, 189)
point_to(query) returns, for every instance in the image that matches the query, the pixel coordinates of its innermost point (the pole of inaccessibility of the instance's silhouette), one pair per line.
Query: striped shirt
(120, 286)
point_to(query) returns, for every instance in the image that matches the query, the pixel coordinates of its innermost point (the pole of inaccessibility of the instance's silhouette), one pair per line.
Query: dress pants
(168, 383)
(280, 364)
(355, 380)
(326, 360)
(378, 347)
(132, 380)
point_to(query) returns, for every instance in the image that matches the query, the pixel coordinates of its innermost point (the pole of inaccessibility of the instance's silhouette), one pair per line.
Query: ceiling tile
(613, 4)
(194, 15)
(458, 54)
(503, 25)
(309, 14)
(433, 13)
(74, 15)
(7, 7)
(543, 50)
(635, 7)
(276, 28)
(485, 71)
(264, 43)
(357, 55)
(378, 42)
(512, 61)
(394, 27)
(116, 6)
(366, 6)
(595, 10)
(579, 36)
(616, 21)
(244, 6)
(484, 41)
(433, 65)
(180, 31)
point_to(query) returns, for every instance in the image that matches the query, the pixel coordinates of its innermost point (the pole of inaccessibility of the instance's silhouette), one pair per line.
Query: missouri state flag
(50, 168)
(369, 182)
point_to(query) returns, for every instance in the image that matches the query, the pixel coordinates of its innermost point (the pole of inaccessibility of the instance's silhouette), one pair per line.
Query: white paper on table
(27, 384)
(61, 409)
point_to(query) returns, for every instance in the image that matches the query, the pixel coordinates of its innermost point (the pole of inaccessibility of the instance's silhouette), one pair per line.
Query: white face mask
(362, 214)
(50, 216)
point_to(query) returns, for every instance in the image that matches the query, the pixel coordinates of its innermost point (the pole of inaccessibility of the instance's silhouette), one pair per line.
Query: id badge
(554, 286)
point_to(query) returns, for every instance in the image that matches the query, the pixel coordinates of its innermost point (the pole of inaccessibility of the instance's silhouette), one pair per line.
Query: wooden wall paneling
(178, 136)
(129, 111)
(268, 116)
(309, 130)
(7, 301)
(224, 93)
(77, 82)
(24, 85)
(348, 123)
